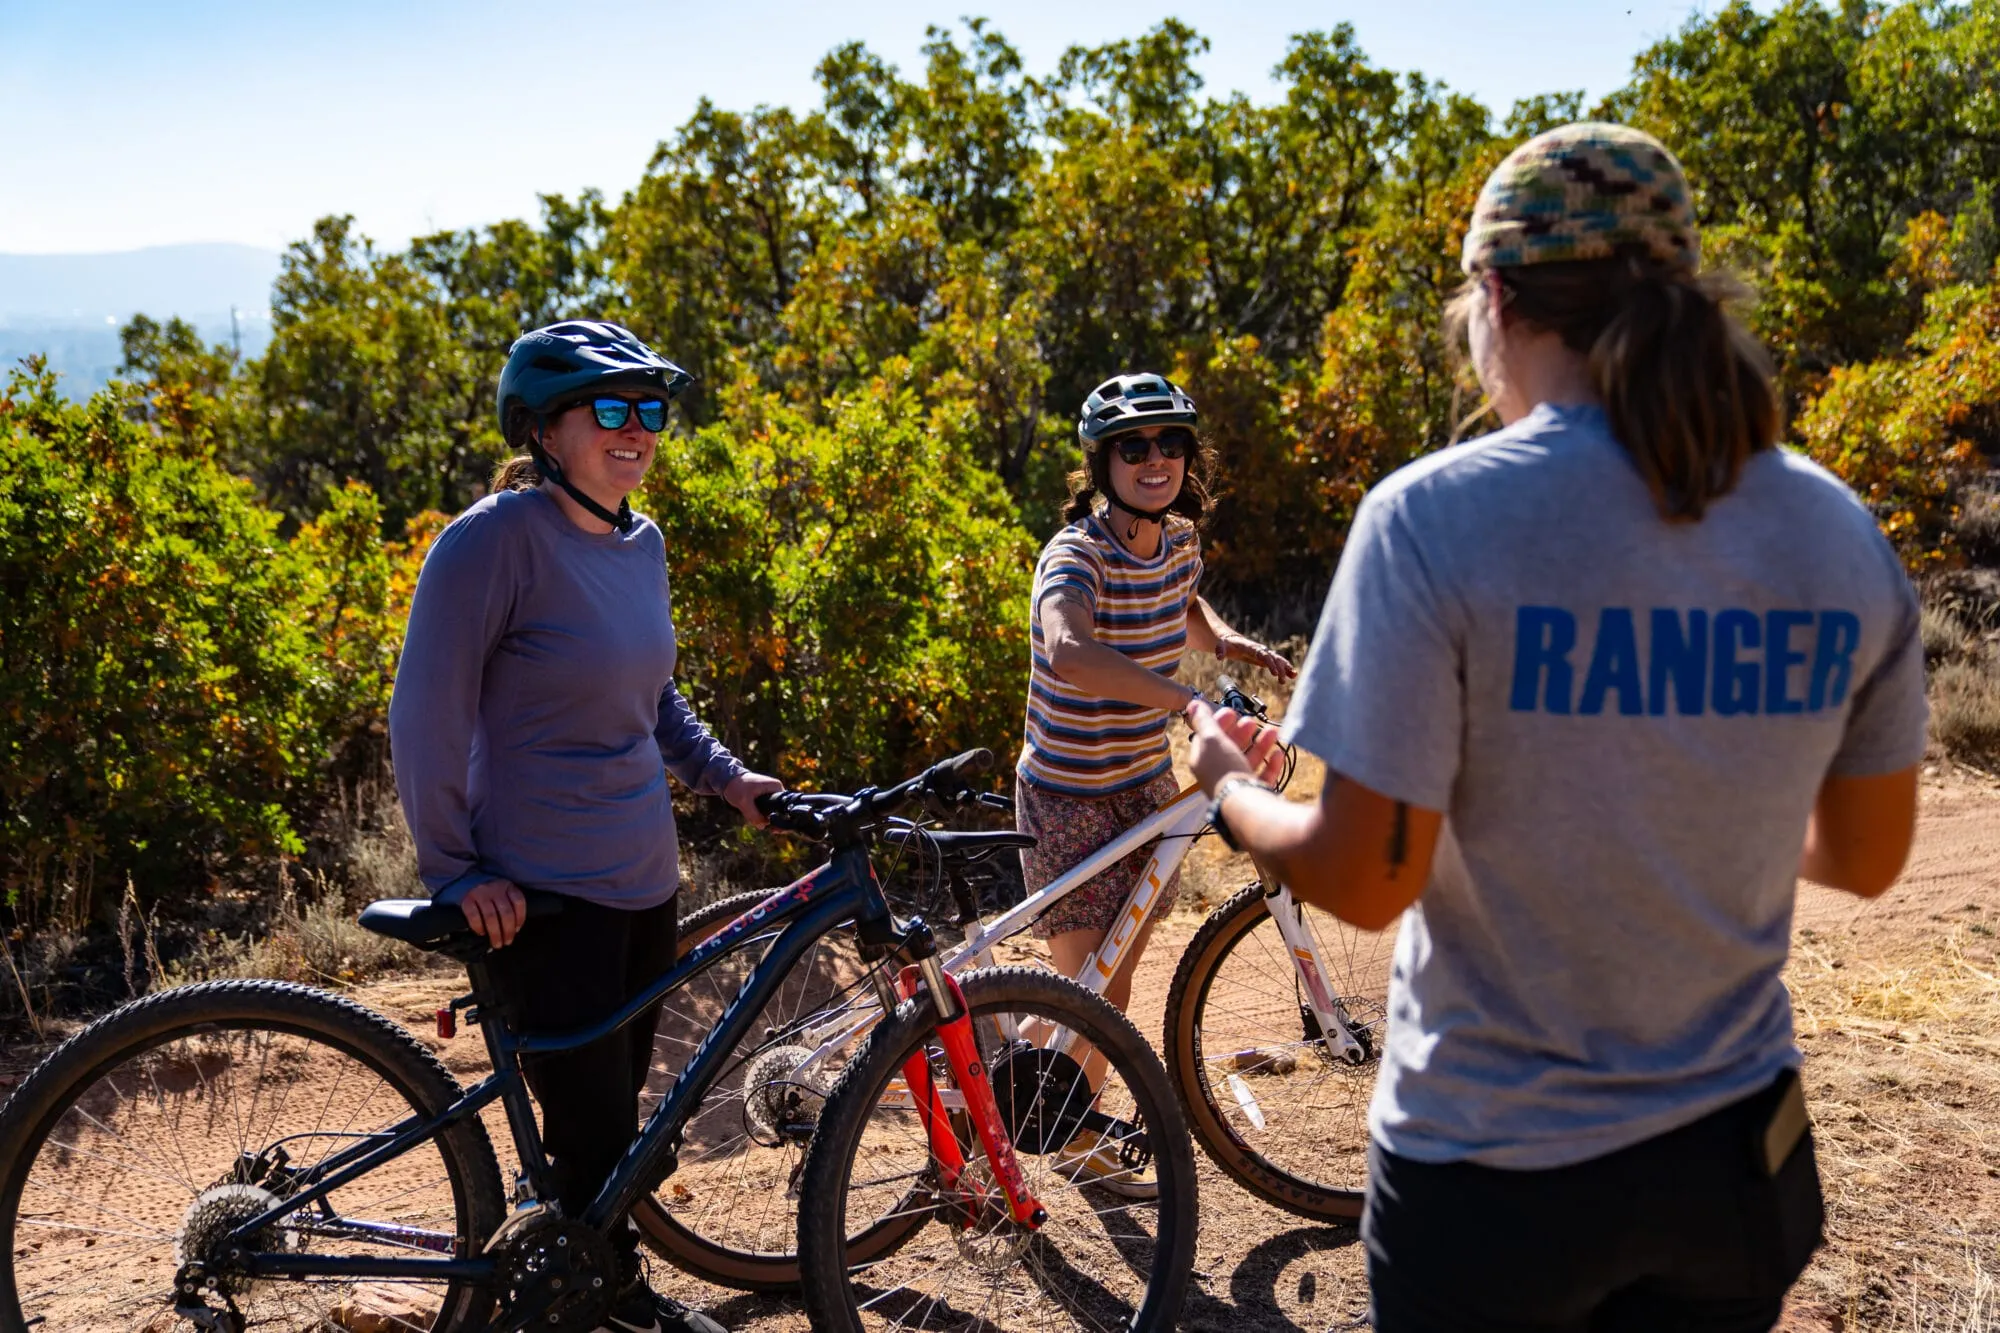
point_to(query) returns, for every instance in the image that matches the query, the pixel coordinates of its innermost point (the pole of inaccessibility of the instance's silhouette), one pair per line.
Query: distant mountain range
(69, 308)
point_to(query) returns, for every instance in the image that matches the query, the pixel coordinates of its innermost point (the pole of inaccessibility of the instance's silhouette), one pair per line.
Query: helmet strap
(1139, 515)
(544, 464)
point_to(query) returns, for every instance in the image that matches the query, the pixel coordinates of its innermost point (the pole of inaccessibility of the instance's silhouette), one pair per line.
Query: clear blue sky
(138, 123)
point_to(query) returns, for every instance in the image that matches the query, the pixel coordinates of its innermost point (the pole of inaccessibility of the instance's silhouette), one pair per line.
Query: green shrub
(852, 597)
(174, 675)
(1905, 432)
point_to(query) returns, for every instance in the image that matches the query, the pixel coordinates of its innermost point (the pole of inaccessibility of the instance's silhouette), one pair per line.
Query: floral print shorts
(1069, 828)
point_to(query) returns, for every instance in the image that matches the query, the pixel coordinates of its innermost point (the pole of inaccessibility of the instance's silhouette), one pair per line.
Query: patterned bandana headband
(1584, 191)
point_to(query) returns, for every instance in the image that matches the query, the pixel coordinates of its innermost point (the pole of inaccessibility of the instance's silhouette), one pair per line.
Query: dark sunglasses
(1177, 442)
(613, 413)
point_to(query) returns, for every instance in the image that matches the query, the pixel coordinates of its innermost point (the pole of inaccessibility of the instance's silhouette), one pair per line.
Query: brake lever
(1236, 700)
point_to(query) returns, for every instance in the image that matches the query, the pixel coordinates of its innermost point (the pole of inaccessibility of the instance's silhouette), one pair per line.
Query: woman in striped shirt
(1114, 607)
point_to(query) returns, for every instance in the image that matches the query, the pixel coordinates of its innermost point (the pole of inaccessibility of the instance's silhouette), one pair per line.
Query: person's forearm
(1354, 852)
(1860, 832)
(1108, 673)
(1825, 861)
(1279, 834)
(689, 750)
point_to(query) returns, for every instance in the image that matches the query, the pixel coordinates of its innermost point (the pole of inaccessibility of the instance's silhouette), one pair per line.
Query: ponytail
(1687, 391)
(518, 473)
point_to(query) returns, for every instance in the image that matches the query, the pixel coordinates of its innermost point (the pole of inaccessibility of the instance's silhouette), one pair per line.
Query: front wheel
(1112, 1167)
(1271, 1102)
(144, 1141)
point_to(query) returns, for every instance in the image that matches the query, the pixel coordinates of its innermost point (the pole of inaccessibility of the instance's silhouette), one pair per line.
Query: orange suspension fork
(969, 1074)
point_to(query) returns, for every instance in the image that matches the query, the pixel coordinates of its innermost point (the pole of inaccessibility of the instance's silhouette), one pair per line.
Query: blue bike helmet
(552, 367)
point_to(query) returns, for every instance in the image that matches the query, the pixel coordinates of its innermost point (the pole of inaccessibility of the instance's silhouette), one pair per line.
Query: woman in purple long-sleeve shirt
(534, 723)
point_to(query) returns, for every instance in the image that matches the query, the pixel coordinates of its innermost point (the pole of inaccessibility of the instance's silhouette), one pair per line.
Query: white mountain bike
(1273, 1030)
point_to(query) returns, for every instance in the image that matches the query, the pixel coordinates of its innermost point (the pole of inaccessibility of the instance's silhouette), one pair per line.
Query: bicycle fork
(1336, 1028)
(970, 1074)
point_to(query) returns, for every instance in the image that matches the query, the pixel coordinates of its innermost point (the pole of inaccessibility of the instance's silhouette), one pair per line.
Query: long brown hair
(518, 473)
(1685, 387)
(1094, 480)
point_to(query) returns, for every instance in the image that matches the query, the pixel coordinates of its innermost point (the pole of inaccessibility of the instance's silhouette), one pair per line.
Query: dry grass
(1978, 525)
(312, 937)
(1902, 1046)
(310, 933)
(1965, 710)
(1946, 635)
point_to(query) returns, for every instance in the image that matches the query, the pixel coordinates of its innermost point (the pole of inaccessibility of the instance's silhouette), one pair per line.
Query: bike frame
(1175, 824)
(844, 889)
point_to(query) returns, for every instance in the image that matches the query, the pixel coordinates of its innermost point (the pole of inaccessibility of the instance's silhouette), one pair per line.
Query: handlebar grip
(995, 801)
(964, 765)
(768, 802)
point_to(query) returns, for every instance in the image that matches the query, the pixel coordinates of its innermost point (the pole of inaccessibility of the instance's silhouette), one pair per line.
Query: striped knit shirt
(1079, 744)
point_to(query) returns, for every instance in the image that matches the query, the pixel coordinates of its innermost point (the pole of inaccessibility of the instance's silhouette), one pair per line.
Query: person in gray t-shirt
(1592, 691)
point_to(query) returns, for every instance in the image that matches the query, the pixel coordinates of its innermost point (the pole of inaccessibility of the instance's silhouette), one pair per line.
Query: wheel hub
(1328, 1046)
(781, 1102)
(988, 1238)
(1043, 1097)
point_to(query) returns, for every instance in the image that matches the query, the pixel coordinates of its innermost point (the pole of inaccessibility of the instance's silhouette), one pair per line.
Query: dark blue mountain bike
(254, 1154)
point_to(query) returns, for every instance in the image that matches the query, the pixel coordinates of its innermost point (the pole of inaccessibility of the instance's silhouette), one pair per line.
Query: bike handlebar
(831, 815)
(836, 816)
(1237, 700)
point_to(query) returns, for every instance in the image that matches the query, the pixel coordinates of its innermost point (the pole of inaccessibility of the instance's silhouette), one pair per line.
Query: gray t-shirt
(1626, 722)
(535, 717)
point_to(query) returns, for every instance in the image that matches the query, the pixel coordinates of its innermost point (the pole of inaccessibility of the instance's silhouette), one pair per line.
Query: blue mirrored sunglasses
(613, 413)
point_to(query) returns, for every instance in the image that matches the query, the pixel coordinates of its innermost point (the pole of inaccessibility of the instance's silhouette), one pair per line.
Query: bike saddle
(432, 925)
(965, 846)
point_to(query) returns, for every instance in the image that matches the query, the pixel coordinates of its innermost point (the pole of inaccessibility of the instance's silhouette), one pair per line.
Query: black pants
(1684, 1231)
(565, 972)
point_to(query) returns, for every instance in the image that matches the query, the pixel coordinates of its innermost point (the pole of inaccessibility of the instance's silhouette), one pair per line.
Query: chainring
(1043, 1097)
(563, 1271)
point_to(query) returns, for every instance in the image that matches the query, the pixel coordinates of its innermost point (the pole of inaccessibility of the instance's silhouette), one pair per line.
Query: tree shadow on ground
(1253, 1305)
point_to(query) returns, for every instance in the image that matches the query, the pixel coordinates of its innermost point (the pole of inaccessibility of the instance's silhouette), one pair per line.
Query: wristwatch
(1223, 791)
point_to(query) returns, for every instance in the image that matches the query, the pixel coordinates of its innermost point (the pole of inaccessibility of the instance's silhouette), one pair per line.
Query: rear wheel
(1268, 1100)
(145, 1140)
(729, 1212)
